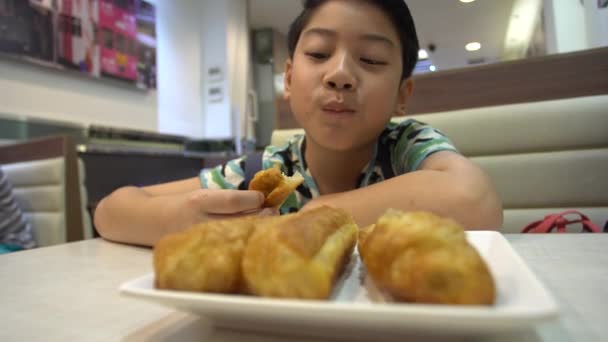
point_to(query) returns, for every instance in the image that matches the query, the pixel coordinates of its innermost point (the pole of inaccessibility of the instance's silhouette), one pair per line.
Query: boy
(348, 74)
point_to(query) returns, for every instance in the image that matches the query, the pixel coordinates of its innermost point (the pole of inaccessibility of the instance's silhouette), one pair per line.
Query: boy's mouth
(334, 107)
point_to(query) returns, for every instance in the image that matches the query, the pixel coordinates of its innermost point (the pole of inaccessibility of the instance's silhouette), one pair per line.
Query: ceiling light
(422, 54)
(466, 1)
(474, 46)
(432, 68)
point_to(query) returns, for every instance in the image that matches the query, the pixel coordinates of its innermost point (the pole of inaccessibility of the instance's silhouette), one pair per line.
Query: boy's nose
(334, 85)
(340, 76)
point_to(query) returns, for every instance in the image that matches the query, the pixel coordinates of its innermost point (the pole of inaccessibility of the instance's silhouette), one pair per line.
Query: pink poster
(119, 32)
(99, 38)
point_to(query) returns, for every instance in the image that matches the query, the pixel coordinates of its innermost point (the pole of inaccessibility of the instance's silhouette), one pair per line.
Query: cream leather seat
(544, 157)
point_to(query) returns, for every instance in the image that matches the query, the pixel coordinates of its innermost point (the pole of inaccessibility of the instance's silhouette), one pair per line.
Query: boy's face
(344, 82)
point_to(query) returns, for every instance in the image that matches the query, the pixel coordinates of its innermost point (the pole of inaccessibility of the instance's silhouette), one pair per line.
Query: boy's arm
(144, 215)
(447, 184)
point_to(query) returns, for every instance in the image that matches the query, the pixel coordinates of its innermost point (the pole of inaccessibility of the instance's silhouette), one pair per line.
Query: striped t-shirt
(15, 231)
(401, 146)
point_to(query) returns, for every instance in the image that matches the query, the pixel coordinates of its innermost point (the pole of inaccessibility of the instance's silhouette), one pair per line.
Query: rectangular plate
(356, 309)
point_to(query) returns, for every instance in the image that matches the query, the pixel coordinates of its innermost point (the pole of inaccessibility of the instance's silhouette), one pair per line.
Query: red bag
(559, 222)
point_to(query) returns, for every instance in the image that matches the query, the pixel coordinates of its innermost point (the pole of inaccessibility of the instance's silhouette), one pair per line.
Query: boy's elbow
(100, 218)
(487, 208)
(103, 215)
(492, 217)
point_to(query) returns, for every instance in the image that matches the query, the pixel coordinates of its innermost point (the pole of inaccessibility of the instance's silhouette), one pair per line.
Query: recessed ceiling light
(466, 1)
(422, 54)
(474, 46)
(432, 68)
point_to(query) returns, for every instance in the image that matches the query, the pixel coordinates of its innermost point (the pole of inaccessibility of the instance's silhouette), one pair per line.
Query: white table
(70, 293)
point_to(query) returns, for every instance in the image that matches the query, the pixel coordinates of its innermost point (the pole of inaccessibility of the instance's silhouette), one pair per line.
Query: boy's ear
(287, 79)
(405, 92)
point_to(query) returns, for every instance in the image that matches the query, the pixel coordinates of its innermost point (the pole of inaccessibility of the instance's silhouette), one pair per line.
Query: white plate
(356, 309)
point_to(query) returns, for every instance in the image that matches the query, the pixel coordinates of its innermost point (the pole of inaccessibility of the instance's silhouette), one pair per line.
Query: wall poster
(98, 38)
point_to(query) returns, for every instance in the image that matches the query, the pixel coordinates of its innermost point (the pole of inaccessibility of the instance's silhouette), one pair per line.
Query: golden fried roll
(206, 257)
(275, 186)
(421, 257)
(300, 256)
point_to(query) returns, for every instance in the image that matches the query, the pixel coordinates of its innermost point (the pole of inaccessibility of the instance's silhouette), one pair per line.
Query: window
(146, 28)
(146, 9)
(141, 55)
(146, 55)
(133, 47)
(59, 23)
(122, 4)
(121, 43)
(108, 38)
(95, 34)
(69, 24)
(65, 24)
(76, 27)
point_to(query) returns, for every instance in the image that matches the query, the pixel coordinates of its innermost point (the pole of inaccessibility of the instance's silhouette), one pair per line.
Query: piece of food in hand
(300, 256)
(206, 257)
(275, 186)
(423, 258)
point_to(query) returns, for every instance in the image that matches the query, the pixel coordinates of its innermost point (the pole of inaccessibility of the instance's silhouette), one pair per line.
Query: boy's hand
(207, 204)
(226, 202)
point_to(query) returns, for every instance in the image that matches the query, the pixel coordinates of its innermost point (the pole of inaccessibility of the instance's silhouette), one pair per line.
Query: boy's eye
(317, 55)
(372, 61)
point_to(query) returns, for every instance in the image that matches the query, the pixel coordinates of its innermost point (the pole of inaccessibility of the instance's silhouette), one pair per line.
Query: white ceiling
(448, 24)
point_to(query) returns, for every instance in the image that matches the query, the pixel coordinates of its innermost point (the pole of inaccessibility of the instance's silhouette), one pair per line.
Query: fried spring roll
(206, 257)
(420, 257)
(300, 256)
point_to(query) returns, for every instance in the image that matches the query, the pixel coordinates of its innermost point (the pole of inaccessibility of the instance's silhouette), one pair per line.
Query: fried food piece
(423, 258)
(300, 256)
(206, 257)
(275, 186)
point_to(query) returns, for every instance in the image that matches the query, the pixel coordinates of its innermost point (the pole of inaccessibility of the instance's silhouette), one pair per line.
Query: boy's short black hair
(397, 11)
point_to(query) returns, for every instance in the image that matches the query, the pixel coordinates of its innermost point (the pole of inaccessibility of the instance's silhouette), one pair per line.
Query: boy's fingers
(269, 212)
(230, 216)
(228, 201)
(257, 212)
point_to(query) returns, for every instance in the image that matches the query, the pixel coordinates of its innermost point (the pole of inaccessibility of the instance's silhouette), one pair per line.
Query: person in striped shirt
(15, 230)
(349, 71)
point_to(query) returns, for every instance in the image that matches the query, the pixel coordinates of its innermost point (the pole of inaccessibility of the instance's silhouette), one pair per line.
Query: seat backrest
(48, 183)
(544, 157)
